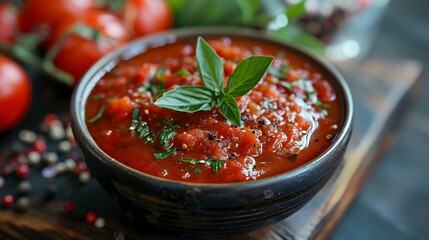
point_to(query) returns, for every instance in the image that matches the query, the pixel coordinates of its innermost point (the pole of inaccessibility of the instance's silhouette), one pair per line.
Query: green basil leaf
(187, 99)
(229, 109)
(247, 74)
(209, 65)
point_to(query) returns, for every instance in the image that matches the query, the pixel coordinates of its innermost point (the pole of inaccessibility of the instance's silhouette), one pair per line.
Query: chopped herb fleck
(135, 113)
(183, 72)
(145, 103)
(311, 92)
(211, 162)
(152, 86)
(215, 164)
(137, 125)
(143, 88)
(165, 121)
(287, 85)
(322, 104)
(279, 72)
(163, 155)
(150, 138)
(160, 72)
(166, 136)
(98, 97)
(325, 112)
(197, 170)
(143, 128)
(100, 113)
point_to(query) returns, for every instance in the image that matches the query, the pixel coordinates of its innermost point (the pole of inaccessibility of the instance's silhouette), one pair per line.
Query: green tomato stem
(23, 55)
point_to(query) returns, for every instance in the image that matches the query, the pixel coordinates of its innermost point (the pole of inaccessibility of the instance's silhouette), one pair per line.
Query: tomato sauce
(289, 118)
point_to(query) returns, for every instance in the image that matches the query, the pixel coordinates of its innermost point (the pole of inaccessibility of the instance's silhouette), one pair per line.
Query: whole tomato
(37, 12)
(78, 53)
(15, 93)
(143, 17)
(8, 22)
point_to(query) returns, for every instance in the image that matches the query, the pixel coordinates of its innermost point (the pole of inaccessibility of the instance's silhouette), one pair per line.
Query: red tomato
(15, 93)
(77, 54)
(8, 22)
(143, 17)
(37, 12)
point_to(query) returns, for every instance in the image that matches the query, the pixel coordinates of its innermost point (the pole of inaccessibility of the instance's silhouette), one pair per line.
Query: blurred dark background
(393, 203)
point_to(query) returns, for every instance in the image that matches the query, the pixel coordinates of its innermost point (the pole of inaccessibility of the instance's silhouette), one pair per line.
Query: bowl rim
(105, 64)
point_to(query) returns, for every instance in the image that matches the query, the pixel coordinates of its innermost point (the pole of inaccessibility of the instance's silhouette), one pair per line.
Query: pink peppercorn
(8, 201)
(50, 119)
(22, 171)
(39, 146)
(90, 217)
(69, 206)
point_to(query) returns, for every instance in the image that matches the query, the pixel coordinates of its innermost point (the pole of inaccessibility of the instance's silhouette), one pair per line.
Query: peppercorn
(39, 146)
(22, 171)
(8, 201)
(84, 177)
(22, 204)
(100, 222)
(2, 182)
(90, 217)
(27, 136)
(24, 188)
(69, 207)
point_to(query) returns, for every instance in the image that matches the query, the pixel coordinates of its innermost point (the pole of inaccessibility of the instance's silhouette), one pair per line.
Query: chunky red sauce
(289, 118)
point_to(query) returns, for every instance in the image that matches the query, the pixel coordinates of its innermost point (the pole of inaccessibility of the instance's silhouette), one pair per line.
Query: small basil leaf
(229, 109)
(247, 74)
(187, 99)
(209, 65)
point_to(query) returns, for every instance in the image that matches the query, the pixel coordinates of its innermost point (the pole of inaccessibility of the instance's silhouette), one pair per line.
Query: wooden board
(381, 90)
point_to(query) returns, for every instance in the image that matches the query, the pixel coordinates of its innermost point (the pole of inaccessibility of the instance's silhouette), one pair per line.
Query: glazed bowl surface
(199, 208)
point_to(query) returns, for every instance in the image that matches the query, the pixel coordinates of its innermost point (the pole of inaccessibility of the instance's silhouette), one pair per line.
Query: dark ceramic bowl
(207, 208)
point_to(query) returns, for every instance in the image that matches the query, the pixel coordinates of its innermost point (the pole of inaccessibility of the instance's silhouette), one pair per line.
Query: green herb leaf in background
(249, 13)
(295, 11)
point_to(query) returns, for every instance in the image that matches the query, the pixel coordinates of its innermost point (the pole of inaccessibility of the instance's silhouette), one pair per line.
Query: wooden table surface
(381, 92)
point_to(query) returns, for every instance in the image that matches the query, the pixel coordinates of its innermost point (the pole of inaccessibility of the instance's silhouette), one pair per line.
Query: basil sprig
(191, 99)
